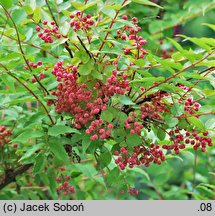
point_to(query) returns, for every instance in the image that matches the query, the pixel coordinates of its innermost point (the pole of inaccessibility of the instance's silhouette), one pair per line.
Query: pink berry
(39, 63)
(68, 178)
(58, 35)
(58, 179)
(74, 69)
(45, 22)
(125, 17)
(71, 16)
(134, 19)
(38, 28)
(33, 80)
(15, 145)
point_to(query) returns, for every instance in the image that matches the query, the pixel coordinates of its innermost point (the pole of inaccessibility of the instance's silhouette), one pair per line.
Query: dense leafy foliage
(107, 99)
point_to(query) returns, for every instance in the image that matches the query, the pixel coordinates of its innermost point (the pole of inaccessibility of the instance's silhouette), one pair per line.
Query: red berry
(33, 80)
(39, 63)
(68, 178)
(58, 179)
(15, 145)
(38, 28)
(58, 35)
(205, 133)
(42, 76)
(134, 19)
(45, 22)
(125, 17)
(116, 153)
(71, 16)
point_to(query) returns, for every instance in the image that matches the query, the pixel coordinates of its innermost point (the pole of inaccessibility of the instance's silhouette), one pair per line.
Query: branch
(87, 51)
(175, 75)
(184, 19)
(32, 45)
(21, 50)
(11, 176)
(111, 24)
(29, 90)
(66, 45)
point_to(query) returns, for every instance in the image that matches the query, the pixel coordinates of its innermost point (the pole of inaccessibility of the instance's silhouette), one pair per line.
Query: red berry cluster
(99, 129)
(152, 110)
(4, 135)
(65, 187)
(130, 33)
(48, 32)
(33, 65)
(133, 191)
(41, 76)
(163, 52)
(185, 88)
(79, 22)
(181, 138)
(79, 100)
(141, 156)
(132, 124)
(191, 106)
(114, 85)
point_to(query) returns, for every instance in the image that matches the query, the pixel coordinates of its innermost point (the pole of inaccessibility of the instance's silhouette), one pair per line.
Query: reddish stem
(111, 24)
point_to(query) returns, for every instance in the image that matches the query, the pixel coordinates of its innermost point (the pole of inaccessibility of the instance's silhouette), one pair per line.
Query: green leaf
(113, 175)
(7, 3)
(141, 171)
(83, 56)
(161, 134)
(109, 12)
(31, 151)
(28, 134)
(148, 80)
(39, 163)
(97, 75)
(52, 182)
(115, 6)
(201, 42)
(174, 156)
(79, 6)
(37, 14)
(126, 100)
(86, 69)
(107, 115)
(104, 159)
(86, 142)
(196, 122)
(140, 62)
(171, 121)
(61, 129)
(209, 25)
(133, 140)
(91, 4)
(161, 178)
(56, 146)
(146, 2)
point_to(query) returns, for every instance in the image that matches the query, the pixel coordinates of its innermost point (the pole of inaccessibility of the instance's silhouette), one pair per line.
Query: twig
(66, 45)
(37, 98)
(87, 51)
(32, 45)
(175, 75)
(11, 176)
(111, 24)
(21, 50)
